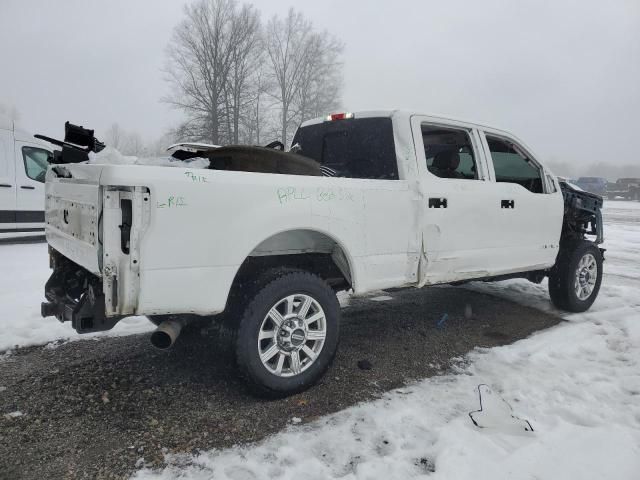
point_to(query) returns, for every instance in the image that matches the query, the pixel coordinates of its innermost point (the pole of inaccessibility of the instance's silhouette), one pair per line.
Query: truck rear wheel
(574, 282)
(287, 334)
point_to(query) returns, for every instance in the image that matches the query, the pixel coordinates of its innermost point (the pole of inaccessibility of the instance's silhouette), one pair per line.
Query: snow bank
(578, 384)
(111, 156)
(25, 269)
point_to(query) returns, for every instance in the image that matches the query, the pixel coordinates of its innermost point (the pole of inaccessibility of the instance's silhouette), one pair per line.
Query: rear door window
(449, 152)
(351, 148)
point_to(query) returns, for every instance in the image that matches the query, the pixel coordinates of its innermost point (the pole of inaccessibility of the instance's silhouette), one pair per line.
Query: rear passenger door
(458, 220)
(528, 202)
(7, 184)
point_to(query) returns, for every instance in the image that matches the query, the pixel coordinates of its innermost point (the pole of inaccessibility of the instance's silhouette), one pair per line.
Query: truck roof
(407, 114)
(7, 123)
(404, 117)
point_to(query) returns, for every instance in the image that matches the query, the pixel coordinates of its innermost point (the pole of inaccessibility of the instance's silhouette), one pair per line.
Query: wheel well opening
(306, 250)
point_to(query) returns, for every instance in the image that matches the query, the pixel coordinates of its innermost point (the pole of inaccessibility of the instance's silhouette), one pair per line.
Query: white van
(23, 165)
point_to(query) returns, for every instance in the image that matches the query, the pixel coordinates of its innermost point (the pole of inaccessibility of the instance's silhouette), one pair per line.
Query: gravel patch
(104, 408)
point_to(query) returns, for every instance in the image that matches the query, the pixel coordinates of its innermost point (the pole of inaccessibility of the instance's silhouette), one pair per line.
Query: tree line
(239, 80)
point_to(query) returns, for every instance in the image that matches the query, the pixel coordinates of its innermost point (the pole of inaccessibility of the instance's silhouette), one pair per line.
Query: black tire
(562, 278)
(251, 306)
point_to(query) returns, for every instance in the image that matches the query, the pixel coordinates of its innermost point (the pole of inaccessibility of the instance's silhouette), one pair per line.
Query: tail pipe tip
(166, 334)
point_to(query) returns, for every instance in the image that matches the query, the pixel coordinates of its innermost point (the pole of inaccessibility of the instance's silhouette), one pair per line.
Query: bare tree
(245, 56)
(126, 142)
(235, 82)
(256, 111)
(287, 47)
(209, 63)
(321, 82)
(133, 145)
(305, 68)
(114, 136)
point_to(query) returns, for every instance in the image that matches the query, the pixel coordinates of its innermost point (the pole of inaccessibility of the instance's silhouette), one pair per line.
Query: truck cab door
(528, 203)
(7, 184)
(458, 218)
(31, 162)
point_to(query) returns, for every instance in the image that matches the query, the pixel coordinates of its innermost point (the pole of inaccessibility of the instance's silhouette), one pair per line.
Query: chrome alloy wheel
(292, 335)
(586, 276)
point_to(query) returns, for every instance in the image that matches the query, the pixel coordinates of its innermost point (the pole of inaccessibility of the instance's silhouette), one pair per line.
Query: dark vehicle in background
(597, 185)
(627, 188)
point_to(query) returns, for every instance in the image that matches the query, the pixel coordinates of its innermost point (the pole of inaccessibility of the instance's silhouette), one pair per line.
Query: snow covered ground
(578, 384)
(25, 269)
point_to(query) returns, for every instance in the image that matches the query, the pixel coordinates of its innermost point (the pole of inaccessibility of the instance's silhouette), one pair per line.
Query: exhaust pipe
(166, 334)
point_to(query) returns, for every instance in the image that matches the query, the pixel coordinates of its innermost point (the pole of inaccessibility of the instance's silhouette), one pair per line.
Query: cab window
(36, 161)
(449, 153)
(512, 165)
(350, 148)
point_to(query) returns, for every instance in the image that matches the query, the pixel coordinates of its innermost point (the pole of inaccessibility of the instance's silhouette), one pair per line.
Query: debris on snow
(382, 298)
(496, 413)
(11, 415)
(55, 344)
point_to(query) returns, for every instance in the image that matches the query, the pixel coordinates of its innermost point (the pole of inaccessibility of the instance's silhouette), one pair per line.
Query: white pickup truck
(263, 239)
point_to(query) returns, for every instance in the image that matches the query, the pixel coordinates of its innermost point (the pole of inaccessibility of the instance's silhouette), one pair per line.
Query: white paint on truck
(197, 233)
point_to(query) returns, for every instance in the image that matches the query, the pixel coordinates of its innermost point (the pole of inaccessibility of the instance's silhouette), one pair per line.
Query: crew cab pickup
(263, 239)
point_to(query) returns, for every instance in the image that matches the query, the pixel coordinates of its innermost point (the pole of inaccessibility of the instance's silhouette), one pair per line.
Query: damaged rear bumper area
(76, 295)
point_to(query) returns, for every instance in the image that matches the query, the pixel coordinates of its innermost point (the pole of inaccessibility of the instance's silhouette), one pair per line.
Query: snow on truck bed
(111, 156)
(578, 384)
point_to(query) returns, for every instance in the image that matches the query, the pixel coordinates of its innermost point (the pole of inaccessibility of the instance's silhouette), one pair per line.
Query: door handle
(27, 187)
(5, 185)
(437, 203)
(507, 204)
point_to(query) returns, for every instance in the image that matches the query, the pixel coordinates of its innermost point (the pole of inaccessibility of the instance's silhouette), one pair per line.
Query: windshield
(36, 161)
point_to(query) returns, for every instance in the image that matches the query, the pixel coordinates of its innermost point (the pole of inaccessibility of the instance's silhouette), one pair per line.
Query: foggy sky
(562, 75)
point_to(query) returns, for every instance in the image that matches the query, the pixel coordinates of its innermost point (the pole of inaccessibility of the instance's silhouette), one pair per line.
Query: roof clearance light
(339, 116)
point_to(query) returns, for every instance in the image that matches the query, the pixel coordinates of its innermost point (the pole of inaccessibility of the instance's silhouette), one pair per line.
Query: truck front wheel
(574, 282)
(287, 335)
